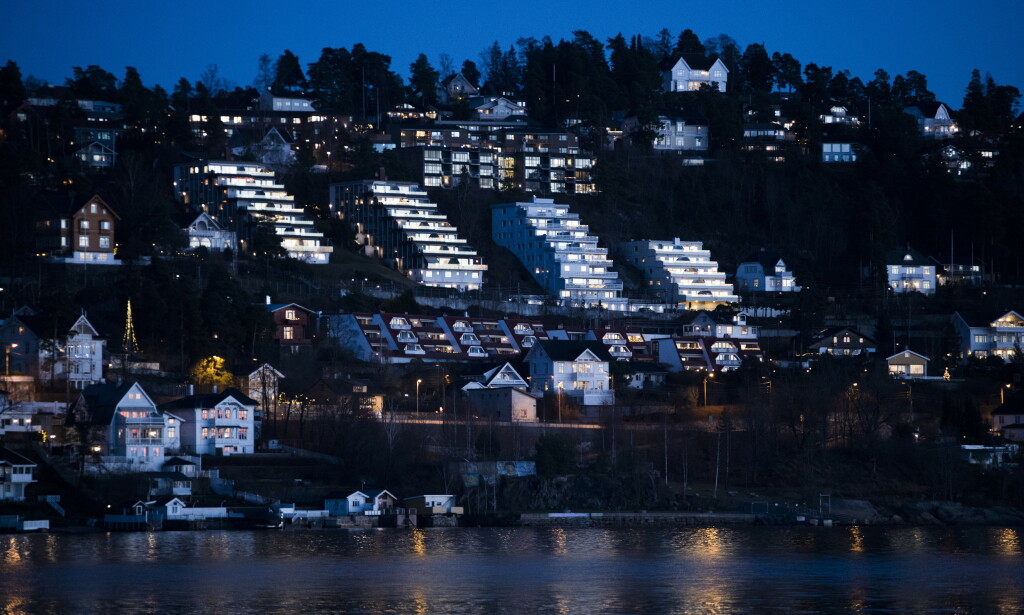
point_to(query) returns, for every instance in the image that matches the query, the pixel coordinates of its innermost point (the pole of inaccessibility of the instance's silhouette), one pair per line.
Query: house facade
(74, 355)
(121, 428)
(204, 232)
(217, 423)
(85, 237)
(933, 118)
(294, 325)
(842, 342)
(909, 271)
(765, 272)
(691, 71)
(684, 133)
(502, 393)
(907, 365)
(15, 474)
(984, 335)
(577, 369)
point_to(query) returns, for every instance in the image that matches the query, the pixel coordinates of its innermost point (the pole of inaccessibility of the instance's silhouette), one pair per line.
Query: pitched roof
(928, 108)
(833, 331)
(1014, 404)
(984, 318)
(696, 61)
(10, 457)
(101, 400)
(209, 400)
(563, 350)
(908, 257)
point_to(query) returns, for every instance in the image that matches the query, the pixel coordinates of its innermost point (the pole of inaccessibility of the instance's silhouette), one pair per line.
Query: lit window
(288, 333)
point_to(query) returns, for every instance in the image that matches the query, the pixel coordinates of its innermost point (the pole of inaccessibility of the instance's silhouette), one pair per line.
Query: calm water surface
(519, 570)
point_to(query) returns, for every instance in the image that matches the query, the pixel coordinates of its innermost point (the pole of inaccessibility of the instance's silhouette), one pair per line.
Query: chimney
(191, 389)
(268, 299)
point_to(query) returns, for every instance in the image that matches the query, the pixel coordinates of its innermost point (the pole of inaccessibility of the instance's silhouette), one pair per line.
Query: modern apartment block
(559, 252)
(242, 195)
(398, 223)
(680, 272)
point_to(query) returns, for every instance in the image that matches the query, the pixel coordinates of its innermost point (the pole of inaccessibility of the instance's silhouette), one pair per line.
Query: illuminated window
(288, 333)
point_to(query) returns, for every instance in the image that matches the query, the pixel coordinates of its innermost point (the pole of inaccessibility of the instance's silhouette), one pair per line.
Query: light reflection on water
(524, 570)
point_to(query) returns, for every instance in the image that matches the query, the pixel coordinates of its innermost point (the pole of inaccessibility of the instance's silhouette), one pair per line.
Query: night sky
(945, 40)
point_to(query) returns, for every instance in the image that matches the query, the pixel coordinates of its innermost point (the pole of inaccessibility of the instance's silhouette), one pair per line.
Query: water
(519, 570)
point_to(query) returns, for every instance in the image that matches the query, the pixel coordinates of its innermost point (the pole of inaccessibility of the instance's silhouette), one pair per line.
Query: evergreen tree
(688, 42)
(288, 75)
(758, 72)
(12, 90)
(423, 81)
(471, 72)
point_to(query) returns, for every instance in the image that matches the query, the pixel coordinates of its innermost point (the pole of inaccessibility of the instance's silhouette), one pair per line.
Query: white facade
(933, 120)
(576, 369)
(217, 424)
(559, 252)
(397, 222)
(269, 102)
(992, 336)
(678, 134)
(138, 435)
(15, 475)
(204, 232)
(838, 152)
(497, 108)
(909, 272)
(680, 272)
(691, 71)
(245, 194)
(78, 357)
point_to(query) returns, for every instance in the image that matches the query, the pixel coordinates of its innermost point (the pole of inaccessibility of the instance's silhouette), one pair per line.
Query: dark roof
(208, 400)
(563, 350)
(898, 257)
(928, 108)
(832, 331)
(696, 61)
(1014, 404)
(101, 400)
(177, 461)
(9, 456)
(982, 318)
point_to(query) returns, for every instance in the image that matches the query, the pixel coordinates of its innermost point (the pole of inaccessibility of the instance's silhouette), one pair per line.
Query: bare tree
(212, 79)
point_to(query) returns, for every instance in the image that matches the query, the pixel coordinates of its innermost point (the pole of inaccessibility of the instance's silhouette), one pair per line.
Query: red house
(294, 325)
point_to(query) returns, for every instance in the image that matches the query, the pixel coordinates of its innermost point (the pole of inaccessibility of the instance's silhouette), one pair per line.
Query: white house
(368, 502)
(577, 369)
(502, 393)
(909, 271)
(122, 426)
(989, 335)
(1008, 418)
(765, 272)
(216, 423)
(693, 70)
(204, 232)
(15, 474)
(842, 342)
(933, 119)
(682, 132)
(497, 108)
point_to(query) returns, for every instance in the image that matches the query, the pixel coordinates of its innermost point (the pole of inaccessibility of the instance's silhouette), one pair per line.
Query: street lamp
(711, 375)
(418, 383)
(1002, 389)
(561, 387)
(7, 359)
